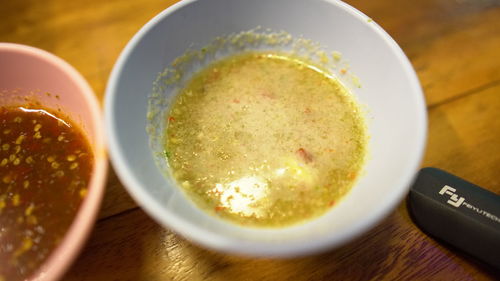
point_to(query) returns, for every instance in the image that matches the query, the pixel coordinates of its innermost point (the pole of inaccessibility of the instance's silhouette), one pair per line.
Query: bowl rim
(61, 258)
(232, 245)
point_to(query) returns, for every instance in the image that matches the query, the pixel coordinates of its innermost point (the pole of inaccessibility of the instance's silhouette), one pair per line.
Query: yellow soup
(265, 139)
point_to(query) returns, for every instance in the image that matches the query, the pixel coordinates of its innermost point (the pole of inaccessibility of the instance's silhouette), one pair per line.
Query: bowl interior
(36, 75)
(390, 90)
(26, 73)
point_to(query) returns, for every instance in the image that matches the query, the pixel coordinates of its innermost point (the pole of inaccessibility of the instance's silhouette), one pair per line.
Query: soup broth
(265, 140)
(45, 167)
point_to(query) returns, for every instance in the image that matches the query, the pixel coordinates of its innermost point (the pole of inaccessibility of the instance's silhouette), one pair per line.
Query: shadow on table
(130, 246)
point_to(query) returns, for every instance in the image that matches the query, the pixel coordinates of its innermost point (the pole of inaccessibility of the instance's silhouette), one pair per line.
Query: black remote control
(458, 212)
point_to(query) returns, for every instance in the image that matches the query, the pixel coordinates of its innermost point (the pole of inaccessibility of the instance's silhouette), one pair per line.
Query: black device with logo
(458, 212)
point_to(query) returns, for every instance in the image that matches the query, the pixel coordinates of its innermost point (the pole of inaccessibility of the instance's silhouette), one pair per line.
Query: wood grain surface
(454, 46)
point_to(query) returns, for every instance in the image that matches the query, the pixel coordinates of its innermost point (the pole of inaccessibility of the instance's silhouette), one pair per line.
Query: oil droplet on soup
(265, 140)
(45, 167)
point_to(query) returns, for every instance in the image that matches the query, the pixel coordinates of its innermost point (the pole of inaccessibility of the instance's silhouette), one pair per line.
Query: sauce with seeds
(45, 167)
(265, 140)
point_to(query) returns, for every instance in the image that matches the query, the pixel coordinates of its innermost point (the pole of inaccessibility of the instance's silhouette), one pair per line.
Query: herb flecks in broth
(265, 139)
(45, 167)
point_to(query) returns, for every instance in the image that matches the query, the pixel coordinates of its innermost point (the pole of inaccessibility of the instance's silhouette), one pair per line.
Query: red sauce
(45, 167)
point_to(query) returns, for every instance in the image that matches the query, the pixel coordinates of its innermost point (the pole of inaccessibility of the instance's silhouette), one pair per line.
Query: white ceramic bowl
(390, 89)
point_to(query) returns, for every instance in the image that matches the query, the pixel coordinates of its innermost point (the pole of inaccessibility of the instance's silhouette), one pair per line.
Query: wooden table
(454, 46)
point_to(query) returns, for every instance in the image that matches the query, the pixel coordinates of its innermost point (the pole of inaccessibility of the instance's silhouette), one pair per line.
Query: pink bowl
(27, 72)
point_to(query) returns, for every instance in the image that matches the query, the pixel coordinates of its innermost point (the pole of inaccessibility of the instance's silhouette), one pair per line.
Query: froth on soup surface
(265, 140)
